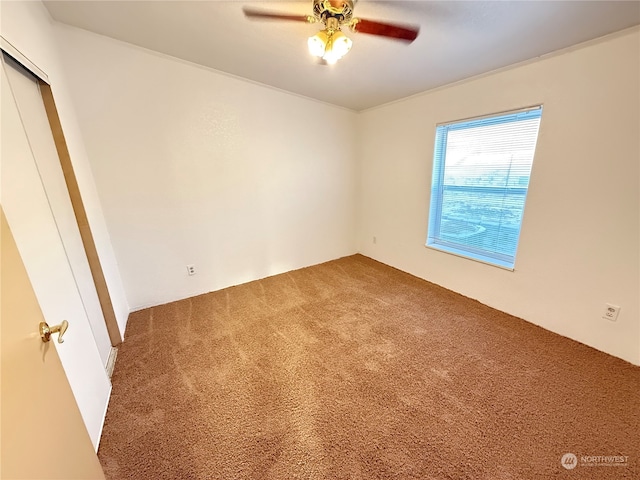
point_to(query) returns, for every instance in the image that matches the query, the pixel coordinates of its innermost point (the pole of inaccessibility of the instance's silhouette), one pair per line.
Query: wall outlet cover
(611, 312)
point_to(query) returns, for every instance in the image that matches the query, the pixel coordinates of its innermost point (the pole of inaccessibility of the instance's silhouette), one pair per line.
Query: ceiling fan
(330, 44)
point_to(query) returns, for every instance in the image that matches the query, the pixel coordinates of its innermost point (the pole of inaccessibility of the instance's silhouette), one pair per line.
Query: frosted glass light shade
(318, 43)
(341, 44)
(337, 47)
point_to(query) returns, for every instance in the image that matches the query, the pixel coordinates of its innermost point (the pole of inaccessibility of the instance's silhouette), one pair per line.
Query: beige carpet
(354, 370)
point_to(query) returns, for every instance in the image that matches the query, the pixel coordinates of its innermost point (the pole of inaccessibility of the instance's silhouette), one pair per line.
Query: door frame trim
(18, 56)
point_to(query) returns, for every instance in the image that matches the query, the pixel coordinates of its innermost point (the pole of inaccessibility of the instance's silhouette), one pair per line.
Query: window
(481, 171)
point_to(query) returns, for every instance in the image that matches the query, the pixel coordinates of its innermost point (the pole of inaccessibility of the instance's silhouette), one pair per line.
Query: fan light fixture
(330, 45)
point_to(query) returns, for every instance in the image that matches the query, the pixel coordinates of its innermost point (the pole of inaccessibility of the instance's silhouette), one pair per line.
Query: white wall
(28, 27)
(198, 167)
(580, 243)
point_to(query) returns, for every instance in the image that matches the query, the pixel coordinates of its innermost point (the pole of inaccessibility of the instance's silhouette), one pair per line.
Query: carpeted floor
(354, 370)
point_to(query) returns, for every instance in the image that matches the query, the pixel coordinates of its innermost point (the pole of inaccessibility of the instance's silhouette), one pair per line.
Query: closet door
(30, 218)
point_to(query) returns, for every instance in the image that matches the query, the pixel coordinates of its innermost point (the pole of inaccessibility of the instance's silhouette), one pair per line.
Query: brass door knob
(46, 331)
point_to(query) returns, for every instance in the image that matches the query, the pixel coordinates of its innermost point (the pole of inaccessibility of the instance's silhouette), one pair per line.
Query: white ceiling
(458, 39)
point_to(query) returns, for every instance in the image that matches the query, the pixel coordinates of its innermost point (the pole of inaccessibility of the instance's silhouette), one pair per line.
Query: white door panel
(26, 93)
(36, 234)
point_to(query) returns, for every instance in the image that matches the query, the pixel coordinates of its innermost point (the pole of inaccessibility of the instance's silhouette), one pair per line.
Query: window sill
(480, 259)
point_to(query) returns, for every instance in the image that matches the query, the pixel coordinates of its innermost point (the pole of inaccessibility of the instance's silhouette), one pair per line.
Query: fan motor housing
(341, 10)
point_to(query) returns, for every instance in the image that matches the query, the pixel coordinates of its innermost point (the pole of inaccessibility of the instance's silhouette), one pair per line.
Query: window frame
(434, 239)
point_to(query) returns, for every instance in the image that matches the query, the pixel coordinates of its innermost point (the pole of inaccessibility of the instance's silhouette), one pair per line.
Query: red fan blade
(407, 33)
(251, 13)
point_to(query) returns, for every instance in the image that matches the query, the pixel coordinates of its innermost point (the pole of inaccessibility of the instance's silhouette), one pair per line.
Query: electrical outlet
(191, 269)
(375, 240)
(611, 312)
